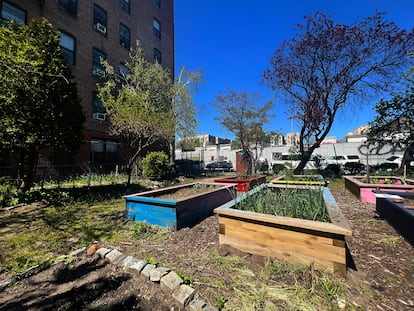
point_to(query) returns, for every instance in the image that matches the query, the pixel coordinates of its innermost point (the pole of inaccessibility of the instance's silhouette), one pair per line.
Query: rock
(102, 252)
(197, 304)
(170, 282)
(126, 261)
(77, 252)
(115, 256)
(135, 266)
(182, 294)
(156, 274)
(147, 269)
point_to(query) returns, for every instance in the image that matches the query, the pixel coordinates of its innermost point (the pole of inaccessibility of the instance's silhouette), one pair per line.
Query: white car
(342, 159)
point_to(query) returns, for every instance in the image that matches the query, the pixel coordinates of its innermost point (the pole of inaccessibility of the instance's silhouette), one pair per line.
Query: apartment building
(94, 29)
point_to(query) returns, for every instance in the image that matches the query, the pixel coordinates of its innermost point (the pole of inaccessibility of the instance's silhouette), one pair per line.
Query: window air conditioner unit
(99, 116)
(100, 27)
(98, 72)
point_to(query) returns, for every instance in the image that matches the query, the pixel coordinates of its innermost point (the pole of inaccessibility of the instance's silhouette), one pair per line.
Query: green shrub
(8, 195)
(156, 166)
(354, 168)
(332, 170)
(277, 168)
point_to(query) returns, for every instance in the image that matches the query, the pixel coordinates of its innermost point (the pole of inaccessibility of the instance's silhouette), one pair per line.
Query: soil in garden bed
(184, 192)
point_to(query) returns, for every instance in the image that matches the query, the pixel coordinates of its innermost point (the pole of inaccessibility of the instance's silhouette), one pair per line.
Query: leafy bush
(156, 166)
(354, 168)
(332, 170)
(388, 166)
(263, 167)
(277, 168)
(8, 195)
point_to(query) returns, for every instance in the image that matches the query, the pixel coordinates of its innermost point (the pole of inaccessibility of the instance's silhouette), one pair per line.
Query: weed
(390, 241)
(143, 230)
(151, 260)
(220, 302)
(188, 280)
(373, 221)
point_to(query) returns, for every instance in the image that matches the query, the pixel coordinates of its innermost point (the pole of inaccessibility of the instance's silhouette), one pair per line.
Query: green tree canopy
(394, 124)
(39, 104)
(139, 105)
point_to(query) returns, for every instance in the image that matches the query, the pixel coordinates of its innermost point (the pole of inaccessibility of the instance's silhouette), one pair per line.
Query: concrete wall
(212, 154)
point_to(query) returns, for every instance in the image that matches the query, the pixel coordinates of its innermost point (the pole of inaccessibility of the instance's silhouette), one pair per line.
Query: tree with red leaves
(329, 66)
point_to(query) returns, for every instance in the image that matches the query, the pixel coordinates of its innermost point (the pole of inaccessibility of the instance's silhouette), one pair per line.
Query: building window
(157, 4)
(125, 6)
(97, 67)
(67, 43)
(123, 71)
(97, 108)
(124, 36)
(12, 13)
(103, 152)
(99, 19)
(157, 28)
(157, 55)
(69, 6)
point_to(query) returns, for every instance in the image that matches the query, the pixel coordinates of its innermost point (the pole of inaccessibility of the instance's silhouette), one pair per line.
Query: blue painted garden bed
(176, 213)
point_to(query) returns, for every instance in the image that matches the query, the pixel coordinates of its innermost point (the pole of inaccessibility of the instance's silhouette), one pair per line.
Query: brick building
(95, 29)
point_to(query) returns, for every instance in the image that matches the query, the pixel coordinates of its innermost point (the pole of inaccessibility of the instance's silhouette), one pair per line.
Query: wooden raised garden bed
(364, 191)
(398, 209)
(179, 206)
(316, 180)
(243, 184)
(292, 239)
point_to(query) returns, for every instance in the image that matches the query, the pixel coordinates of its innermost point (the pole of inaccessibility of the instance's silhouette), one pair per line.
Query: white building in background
(292, 138)
(354, 144)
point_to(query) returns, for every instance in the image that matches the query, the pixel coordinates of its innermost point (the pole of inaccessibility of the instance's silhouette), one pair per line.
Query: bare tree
(329, 66)
(243, 115)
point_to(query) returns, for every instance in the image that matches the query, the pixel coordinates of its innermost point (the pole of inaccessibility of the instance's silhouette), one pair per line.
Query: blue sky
(232, 42)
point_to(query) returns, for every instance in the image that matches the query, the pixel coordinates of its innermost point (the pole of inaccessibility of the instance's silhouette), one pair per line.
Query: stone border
(170, 282)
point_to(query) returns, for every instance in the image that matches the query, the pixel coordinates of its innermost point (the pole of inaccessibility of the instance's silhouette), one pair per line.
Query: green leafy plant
(220, 302)
(156, 166)
(188, 280)
(297, 203)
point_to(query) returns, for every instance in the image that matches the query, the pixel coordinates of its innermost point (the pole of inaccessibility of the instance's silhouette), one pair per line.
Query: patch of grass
(389, 241)
(143, 230)
(373, 221)
(49, 232)
(187, 279)
(220, 302)
(337, 183)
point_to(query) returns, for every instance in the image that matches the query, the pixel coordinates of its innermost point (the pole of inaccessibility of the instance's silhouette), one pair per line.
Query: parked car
(225, 166)
(394, 159)
(342, 159)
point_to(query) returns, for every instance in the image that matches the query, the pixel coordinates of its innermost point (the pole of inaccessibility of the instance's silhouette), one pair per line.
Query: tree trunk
(30, 162)
(408, 157)
(303, 161)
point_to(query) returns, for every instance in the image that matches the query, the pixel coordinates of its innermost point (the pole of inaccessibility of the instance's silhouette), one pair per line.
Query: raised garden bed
(179, 206)
(243, 184)
(363, 190)
(292, 239)
(316, 180)
(398, 210)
